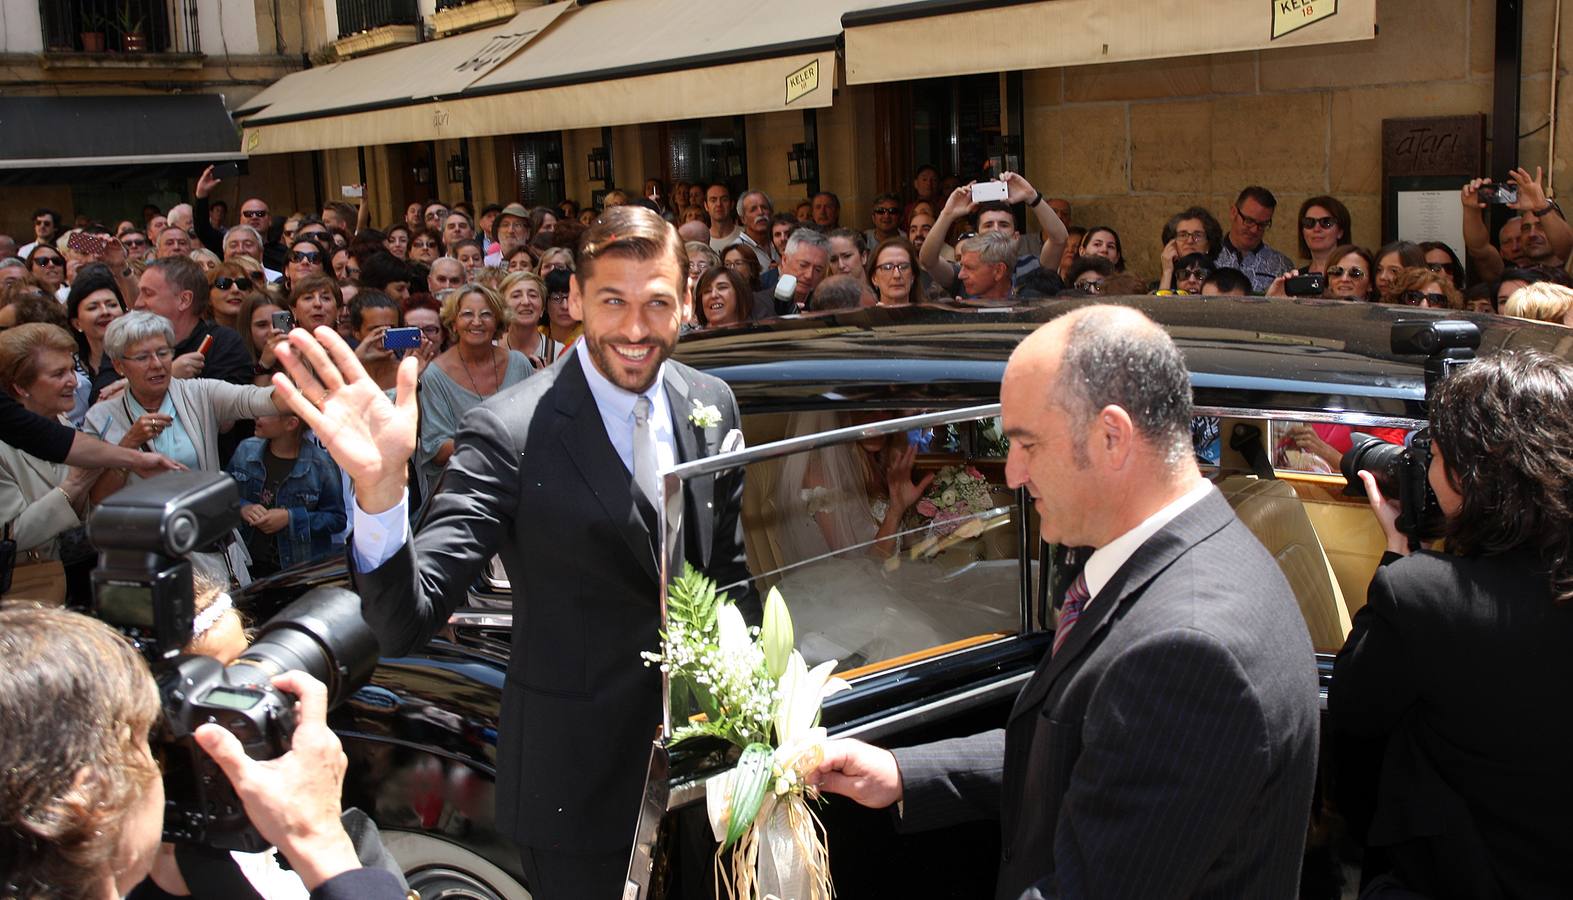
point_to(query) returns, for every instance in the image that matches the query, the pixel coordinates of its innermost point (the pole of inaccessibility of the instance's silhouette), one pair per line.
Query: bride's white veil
(844, 497)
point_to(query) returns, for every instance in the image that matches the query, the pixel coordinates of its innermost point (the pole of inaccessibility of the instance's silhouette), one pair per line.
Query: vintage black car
(937, 637)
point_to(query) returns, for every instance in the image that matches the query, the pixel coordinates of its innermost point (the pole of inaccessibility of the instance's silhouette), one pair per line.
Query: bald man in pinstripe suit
(1166, 747)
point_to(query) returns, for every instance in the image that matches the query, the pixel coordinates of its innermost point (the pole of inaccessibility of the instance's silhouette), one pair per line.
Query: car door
(927, 610)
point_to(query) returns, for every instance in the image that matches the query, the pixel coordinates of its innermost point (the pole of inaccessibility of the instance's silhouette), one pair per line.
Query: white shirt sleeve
(377, 536)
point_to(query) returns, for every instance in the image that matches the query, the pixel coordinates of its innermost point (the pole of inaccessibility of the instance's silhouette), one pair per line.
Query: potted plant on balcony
(129, 23)
(92, 33)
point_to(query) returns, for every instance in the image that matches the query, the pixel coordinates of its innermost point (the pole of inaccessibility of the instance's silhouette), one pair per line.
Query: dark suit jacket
(535, 479)
(1465, 665)
(1167, 750)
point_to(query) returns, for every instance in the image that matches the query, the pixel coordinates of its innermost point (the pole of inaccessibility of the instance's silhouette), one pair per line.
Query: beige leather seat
(1272, 510)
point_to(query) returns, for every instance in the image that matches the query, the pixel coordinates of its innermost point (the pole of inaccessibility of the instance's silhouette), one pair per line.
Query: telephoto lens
(321, 634)
(1383, 460)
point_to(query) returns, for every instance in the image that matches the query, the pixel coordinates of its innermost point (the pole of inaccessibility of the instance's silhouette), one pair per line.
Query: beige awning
(615, 62)
(905, 40)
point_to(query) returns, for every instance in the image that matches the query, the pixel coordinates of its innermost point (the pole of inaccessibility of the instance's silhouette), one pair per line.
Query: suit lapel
(699, 493)
(1187, 530)
(591, 451)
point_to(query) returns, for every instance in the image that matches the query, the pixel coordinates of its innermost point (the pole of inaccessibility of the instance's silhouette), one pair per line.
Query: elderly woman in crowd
(228, 285)
(94, 302)
(40, 501)
(1188, 232)
(722, 298)
(524, 293)
(179, 417)
(469, 371)
(554, 258)
(894, 273)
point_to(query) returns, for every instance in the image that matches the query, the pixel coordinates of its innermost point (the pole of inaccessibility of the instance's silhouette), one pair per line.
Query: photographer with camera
(1456, 651)
(81, 800)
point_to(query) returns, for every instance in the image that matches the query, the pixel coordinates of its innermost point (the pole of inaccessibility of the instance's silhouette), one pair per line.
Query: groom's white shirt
(377, 536)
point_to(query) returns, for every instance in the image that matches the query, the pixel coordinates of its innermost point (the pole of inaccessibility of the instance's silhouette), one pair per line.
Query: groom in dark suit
(1166, 747)
(557, 476)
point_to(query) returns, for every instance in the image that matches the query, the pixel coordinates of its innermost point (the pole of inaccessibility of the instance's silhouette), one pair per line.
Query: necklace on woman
(496, 370)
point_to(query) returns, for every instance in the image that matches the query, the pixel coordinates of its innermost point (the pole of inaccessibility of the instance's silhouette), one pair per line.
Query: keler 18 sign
(1293, 15)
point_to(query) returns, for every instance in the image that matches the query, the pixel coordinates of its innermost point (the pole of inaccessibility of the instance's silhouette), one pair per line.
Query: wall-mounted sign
(1293, 15)
(803, 82)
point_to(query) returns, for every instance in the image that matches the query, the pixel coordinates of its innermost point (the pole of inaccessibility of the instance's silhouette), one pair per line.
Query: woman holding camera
(41, 501)
(1458, 672)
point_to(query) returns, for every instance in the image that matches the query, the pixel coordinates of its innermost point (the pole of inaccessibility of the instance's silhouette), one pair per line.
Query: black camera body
(143, 587)
(1402, 471)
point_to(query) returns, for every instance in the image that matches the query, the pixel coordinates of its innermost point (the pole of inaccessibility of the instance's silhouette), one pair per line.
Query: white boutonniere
(704, 416)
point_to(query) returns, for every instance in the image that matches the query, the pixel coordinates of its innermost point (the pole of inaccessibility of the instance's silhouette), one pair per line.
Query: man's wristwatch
(1549, 208)
(1036, 200)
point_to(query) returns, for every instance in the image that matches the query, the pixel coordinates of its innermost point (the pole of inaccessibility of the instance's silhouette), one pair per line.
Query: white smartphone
(352, 191)
(984, 191)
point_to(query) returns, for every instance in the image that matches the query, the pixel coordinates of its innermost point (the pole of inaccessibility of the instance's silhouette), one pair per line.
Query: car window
(876, 577)
(1282, 479)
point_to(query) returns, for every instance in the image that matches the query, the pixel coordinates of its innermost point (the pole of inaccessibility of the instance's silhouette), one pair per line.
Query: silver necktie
(644, 452)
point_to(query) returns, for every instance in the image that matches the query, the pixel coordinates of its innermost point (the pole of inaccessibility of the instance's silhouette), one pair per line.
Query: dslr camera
(1401, 471)
(145, 534)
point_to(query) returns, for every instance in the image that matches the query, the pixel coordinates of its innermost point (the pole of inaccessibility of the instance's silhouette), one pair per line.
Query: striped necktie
(1075, 598)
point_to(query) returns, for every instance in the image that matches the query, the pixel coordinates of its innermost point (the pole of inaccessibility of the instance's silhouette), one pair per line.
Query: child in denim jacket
(291, 501)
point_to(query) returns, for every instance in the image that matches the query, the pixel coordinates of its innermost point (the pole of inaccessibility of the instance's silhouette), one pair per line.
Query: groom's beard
(614, 358)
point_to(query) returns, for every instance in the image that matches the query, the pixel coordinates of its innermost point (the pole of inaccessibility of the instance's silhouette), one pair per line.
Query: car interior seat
(1273, 512)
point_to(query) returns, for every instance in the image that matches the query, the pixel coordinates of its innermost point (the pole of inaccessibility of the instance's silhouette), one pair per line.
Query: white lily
(734, 631)
(802, 692)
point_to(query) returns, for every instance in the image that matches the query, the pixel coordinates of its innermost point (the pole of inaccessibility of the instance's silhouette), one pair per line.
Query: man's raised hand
(369, 436)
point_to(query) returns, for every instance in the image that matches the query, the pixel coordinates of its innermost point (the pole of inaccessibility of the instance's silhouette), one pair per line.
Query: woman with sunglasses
(1419, 286)
(425, 246)
(1351, 274)
(1441, 259)
(1324, 224)
(228, 285)
(307, 257)
(48, 265)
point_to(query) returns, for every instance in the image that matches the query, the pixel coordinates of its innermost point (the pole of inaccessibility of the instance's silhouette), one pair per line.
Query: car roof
(1243, 353)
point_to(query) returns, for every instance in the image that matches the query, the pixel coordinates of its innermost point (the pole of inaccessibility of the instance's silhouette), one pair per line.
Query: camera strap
(213, 874)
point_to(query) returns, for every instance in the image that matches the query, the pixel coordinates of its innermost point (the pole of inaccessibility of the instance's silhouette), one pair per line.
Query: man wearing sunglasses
(887, 220)
(253, 213)
(1245, 247)
(46, 227)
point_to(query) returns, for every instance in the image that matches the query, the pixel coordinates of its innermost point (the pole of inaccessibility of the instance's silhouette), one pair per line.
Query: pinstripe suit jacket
(1168, 749)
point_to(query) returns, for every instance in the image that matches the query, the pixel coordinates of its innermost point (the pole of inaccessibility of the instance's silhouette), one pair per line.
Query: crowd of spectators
(160, 334)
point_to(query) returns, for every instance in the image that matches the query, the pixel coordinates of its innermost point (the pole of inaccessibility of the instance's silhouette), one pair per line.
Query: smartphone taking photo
(1497, 194)
(401, 339)
(283, 321)
(986, 191)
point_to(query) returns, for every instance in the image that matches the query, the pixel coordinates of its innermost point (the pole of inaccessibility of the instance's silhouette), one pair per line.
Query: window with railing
(120, 26)
(356, 16)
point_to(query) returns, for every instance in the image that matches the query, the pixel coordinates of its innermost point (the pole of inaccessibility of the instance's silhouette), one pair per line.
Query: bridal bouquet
(756, 692)
(958, 494)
